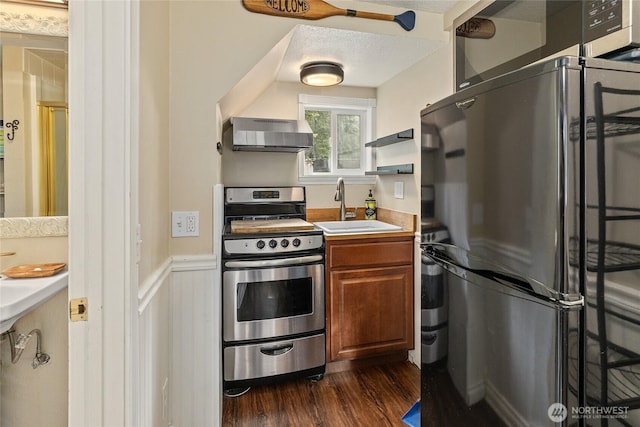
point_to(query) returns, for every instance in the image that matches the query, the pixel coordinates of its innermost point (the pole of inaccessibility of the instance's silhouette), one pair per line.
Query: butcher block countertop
(268, 225)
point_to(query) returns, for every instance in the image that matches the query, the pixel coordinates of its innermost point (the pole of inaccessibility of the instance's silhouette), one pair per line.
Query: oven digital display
(266, 194)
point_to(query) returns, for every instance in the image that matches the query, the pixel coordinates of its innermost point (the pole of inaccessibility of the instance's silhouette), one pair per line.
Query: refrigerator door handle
(483, 272)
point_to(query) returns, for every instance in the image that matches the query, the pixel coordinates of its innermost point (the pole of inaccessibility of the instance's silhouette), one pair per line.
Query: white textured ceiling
(368, 59)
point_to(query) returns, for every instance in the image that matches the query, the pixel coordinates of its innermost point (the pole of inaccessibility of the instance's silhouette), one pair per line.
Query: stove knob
(260, 244)
(296, 242)
(284, 243)
(273, 244)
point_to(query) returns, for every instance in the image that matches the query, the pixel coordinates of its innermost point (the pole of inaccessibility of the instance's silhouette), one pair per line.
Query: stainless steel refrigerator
(537, 177)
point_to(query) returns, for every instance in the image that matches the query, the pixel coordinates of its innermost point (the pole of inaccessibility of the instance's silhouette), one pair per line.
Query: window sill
(331, 179)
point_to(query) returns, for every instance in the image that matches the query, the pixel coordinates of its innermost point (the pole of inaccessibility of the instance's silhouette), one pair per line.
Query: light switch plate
(398, 190)
(185, 224)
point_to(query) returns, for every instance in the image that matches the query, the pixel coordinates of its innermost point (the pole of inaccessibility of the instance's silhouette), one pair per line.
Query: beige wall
(399, 103)
(154, 148)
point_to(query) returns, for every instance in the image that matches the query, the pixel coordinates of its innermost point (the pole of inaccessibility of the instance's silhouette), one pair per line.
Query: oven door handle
(277, 350)
(274, 262)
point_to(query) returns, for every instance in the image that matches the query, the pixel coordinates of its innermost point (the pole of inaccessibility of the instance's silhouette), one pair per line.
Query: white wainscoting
(179, 329)
(196, 361)
(154, 346)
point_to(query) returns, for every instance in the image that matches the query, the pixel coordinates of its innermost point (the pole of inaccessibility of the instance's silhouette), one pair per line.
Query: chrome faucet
(339, 197)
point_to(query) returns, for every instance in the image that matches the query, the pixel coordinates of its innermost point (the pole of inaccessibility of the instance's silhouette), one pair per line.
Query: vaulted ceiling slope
(368, 59)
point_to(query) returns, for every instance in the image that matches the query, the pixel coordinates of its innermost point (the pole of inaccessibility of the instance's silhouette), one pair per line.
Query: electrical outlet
(398, 190)
(185, 224)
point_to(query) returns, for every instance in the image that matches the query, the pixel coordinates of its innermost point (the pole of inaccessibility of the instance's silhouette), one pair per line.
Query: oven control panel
(433, 236)
(273, 245)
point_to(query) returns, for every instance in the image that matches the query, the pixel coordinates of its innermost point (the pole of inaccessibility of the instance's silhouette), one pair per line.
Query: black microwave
(496, 37)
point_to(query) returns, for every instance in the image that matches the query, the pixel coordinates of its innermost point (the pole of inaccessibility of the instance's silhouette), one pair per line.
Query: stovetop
(268, 221)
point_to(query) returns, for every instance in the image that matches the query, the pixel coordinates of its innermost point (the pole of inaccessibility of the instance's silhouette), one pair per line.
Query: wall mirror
(34, 114)
(34, 111)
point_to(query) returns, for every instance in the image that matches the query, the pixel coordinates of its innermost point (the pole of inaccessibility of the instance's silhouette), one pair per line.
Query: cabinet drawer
(378, 253)
(268, 359)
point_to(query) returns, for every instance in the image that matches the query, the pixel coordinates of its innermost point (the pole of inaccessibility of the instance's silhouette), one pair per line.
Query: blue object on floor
(412, 417)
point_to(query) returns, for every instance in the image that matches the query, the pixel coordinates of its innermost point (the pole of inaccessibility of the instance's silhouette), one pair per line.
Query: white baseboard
(475, 393)
(503, 408)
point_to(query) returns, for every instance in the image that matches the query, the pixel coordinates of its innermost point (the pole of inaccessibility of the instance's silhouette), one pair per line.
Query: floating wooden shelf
(407, 169)
(405, 135)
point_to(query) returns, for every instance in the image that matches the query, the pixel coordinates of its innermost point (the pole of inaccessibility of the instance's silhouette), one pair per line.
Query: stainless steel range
(273, 289)
(434, 312)
(434, 290)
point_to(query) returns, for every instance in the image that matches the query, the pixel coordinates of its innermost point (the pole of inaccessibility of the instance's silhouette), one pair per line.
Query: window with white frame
(341, 127)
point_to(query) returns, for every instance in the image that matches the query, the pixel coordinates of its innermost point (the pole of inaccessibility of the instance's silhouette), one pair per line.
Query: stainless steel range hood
(254, 134)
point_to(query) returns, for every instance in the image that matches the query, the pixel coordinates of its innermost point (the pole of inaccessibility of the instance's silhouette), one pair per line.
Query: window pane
(348, 141)
(318, 156)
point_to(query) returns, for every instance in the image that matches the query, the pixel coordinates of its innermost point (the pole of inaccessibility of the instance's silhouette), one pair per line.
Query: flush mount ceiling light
(321, 73)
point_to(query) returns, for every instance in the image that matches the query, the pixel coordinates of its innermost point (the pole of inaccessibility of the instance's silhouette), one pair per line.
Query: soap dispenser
(370, 207)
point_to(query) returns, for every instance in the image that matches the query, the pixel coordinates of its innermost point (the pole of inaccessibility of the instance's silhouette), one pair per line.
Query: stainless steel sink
(356, 227)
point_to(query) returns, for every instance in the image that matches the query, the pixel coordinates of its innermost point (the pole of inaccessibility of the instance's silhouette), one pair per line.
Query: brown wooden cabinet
(369, 300)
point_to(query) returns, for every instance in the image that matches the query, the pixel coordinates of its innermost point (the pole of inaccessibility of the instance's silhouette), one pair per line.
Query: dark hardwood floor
(373, 397)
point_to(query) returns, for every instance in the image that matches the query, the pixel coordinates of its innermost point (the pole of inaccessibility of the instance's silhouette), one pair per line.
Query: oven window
(274, 299)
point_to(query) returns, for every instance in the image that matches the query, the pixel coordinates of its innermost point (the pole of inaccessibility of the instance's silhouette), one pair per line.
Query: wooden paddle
(318, 9)
(477, 28)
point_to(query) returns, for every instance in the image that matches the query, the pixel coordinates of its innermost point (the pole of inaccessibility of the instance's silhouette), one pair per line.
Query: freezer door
(506, 181)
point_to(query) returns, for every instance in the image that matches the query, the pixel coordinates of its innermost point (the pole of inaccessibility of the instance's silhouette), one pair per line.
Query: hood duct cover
(253, 134)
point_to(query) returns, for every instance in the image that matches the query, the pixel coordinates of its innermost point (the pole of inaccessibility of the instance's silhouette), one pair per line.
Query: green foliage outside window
(347, 141)
(319, 154)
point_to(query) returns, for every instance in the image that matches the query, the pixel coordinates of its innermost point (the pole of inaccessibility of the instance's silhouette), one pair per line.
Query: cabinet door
(371, 312)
